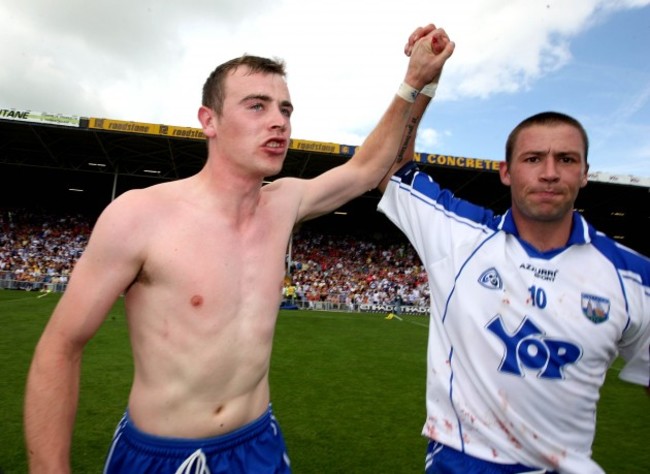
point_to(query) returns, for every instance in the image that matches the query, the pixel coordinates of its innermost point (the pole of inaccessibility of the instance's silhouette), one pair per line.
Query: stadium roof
(81, 163)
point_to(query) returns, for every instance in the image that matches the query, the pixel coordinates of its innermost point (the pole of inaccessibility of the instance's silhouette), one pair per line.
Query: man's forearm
(381, 147)
(50, 406)
(406, 149)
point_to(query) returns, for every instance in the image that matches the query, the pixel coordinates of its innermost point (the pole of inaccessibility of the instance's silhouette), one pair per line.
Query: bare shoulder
(137, 208)
(285, 190)
(321, 194)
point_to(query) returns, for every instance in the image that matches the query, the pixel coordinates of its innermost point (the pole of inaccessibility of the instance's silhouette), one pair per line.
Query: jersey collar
(580, 233)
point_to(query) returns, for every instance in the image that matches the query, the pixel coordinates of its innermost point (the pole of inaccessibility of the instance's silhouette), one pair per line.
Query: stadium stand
(71, 167)
(82, 163)
(328, 275)
(39, 248)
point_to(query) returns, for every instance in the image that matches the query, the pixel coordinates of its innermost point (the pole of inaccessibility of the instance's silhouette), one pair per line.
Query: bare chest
(217, 257)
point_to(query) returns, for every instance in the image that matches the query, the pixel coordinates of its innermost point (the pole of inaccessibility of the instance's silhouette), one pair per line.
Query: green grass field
(348, 390)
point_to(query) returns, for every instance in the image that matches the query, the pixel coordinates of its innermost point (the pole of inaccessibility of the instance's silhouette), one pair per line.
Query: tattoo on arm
(408, 135)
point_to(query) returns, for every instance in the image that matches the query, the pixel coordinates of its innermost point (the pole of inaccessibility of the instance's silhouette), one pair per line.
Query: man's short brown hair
(545, 118)
(214, 87)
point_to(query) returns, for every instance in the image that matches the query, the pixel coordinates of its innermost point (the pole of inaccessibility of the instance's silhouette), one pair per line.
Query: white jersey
(520, 340)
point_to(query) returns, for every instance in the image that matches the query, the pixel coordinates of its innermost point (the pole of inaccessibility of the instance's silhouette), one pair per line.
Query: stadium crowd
(325, 271)
(343, 271)
(38, 249)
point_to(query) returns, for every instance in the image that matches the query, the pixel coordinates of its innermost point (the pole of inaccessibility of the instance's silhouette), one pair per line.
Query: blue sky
(605, 84)
(147, 61)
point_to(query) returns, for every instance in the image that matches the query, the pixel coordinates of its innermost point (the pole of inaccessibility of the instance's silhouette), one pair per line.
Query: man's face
(254, 127)
(547, 170)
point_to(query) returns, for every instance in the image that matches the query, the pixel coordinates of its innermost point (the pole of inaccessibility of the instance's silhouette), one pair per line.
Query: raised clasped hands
(428, 48)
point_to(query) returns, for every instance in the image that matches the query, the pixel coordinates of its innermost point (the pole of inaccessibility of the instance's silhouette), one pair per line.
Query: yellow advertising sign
(320, 147)
(123, 126)
(146, 128)
(450, 161)
(457, 162)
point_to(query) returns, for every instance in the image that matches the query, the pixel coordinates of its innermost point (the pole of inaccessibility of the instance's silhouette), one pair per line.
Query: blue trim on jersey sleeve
(420, 182)
(582, 232)
(622, 257)
(406, 173)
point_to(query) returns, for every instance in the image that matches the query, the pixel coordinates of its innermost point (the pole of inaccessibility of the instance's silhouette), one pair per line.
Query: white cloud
(427, 139)
(147, 60)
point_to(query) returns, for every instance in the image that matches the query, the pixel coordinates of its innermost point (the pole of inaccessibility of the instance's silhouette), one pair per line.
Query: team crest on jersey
(491, 279)
(595, 308)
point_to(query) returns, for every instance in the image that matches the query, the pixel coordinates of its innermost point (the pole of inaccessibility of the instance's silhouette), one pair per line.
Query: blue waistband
(152, 443)
(447, 459)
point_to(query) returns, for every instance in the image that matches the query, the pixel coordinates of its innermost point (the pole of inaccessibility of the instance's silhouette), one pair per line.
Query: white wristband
(430, 89)
(407, 92)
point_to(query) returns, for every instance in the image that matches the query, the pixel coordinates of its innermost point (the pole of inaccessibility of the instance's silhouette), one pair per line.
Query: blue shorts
(442, 459)
(257, 447)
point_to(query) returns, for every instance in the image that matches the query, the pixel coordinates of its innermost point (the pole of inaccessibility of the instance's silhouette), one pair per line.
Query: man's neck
(544, 235)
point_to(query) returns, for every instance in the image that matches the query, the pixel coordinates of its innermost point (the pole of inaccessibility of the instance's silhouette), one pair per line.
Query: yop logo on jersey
(529, 348)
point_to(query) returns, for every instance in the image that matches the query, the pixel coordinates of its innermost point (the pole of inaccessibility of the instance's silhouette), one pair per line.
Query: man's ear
(207, 119)
(504, 173)
(585, 177)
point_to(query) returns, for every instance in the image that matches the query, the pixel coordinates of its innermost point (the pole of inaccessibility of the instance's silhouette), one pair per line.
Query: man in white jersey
(186, 255)
(528, 309)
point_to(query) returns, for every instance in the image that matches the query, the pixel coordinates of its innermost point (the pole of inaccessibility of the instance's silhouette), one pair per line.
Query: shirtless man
(200, 262)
